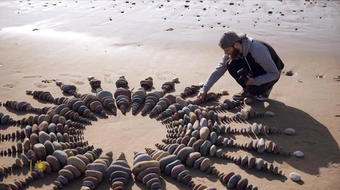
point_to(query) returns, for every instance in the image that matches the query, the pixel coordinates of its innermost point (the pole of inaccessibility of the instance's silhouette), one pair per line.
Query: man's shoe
(263, 97)
(240, 96)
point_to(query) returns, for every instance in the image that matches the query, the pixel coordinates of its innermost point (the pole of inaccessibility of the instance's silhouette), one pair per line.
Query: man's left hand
(250, 81)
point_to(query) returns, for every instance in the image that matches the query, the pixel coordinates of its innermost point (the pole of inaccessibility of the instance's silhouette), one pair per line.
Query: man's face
(232, 52)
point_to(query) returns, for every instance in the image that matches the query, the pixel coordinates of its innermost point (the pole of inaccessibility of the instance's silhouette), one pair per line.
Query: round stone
(40, 151)
(212, 150)
(52, 128)
(295, 176)
(77, 162)
(299, 154)
(233, 181)
(43, 136)
(204, 133)
(203, 122)
(61, 156)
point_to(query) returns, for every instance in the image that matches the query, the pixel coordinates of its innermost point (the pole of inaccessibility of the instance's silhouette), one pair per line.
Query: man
(253, 64)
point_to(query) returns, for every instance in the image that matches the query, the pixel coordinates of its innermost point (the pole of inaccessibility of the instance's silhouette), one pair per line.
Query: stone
(40, 151)
(203, 122)
(298, 154)
(43, 136)
(295, 176)
(289, 131)
(61, 156)
(77, 162)
(261, 145)
(204, 133)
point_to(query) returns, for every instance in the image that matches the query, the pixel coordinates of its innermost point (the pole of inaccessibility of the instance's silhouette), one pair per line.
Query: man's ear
(237, 45)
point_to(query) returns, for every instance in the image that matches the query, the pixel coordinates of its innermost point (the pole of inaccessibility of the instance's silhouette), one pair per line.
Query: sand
(70, 40)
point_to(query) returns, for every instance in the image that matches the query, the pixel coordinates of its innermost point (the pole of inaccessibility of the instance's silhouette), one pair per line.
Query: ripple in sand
(32, 76)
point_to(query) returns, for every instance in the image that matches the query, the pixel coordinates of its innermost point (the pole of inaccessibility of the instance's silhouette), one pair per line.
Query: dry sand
(70, 40)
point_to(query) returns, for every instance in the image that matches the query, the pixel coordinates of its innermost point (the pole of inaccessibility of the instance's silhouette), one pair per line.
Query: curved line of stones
(55, 136)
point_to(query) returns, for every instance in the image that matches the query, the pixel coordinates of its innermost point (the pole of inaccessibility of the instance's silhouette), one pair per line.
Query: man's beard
(234, 55)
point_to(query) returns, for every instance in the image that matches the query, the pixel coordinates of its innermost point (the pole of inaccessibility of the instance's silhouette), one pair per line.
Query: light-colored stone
(204, 133)
(299, 154)
(261, 145)
(295, 176)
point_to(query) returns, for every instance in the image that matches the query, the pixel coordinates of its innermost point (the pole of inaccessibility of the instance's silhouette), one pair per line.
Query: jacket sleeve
(216, 74)
(262, 56)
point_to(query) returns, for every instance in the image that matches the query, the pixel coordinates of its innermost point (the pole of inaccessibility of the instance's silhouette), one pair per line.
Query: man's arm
(262, 56)
(216, 74)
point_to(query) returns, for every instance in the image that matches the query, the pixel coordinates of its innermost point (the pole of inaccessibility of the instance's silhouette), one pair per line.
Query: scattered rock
(289, 73)
(289, 131)
(298, 154)
(295, 176)
(319, 76)
(169, 29)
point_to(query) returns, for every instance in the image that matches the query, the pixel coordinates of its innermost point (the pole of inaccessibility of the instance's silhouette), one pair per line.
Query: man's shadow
(312, 137)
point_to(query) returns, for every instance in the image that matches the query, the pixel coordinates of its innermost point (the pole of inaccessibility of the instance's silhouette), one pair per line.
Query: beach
(71, 40)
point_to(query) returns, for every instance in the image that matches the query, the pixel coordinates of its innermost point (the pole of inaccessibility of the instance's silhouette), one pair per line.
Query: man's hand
(250, 81)
(202, 95)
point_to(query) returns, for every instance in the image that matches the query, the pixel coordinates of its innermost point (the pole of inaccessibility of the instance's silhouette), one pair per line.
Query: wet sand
(70, 40)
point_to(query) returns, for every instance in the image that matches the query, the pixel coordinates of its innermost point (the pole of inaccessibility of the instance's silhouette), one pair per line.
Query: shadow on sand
(312, 137)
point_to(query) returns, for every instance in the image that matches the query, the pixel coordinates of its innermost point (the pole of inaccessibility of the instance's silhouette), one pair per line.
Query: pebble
(203, 122)
(289, 73)
(261, 145)
(299, 154)
(204, 133)
(289, 131)
(295, 176)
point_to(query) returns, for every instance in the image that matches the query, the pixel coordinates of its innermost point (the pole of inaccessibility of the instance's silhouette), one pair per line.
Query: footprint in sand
(8, 86)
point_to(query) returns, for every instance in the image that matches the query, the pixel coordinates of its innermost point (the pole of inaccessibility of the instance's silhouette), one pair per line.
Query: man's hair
(229, 39)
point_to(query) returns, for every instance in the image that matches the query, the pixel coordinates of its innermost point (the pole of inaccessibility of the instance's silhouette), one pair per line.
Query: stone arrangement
(52, 138)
